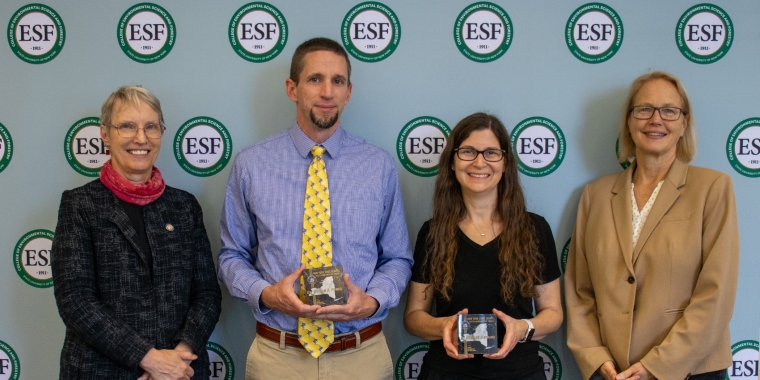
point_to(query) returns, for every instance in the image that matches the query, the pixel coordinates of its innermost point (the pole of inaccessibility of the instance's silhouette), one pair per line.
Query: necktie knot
(317, 151)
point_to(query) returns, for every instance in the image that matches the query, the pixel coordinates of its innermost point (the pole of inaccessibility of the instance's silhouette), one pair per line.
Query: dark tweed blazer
(113, 310)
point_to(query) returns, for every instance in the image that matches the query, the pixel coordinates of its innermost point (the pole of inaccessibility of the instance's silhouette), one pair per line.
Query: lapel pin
(169, 227)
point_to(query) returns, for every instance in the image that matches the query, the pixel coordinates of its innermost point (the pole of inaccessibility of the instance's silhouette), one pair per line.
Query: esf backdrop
(556, 73)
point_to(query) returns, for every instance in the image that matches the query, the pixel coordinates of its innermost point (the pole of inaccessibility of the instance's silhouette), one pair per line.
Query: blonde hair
(131, 95)
(686, 147)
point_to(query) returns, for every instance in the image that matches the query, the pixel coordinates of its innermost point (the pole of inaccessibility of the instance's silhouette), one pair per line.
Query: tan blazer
(667, 302)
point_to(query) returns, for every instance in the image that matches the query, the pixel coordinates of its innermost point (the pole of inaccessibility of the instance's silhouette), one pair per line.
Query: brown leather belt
(341, 343)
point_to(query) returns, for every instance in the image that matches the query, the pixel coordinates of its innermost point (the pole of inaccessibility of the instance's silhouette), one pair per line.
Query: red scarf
(140, 195)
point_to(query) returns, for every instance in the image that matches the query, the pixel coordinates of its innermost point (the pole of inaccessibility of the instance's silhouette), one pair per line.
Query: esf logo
(552, 365)
(202, 146)
(743, 147)
(146, 33)
(31, 258)
(594, 33)
(483, 32)
(258, 32)
(745, 360)
(220, 362)
(84, 149)
(410, 361)
(9, 363)
(420, 144)
(539, 145)
(36, 33)
(370, 32)
(704, 33)
(6, 148)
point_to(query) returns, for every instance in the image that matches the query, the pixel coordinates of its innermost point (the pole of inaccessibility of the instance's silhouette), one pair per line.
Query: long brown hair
(521, 263)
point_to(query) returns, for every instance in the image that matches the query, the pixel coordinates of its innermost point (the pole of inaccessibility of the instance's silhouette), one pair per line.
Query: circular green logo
(594, 33)
(552, 364)
(704, 33)
(370, 32)
(744, 364)
(220, 362)
(539, 146)
(624, 164)
(146, 33)
(409, 363)
(483, 32)
(31, 258)
(258, 32)
(420, 144)
(743, 147)
(36, 33)
(9, 363)
(202, 146)
(6, 148)
(563, 256)
(84, 149)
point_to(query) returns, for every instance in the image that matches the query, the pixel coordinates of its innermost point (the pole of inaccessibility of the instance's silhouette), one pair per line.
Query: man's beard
(323, 123)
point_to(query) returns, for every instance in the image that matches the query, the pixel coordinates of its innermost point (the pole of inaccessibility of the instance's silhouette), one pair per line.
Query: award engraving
(477, 334)
(324, 286)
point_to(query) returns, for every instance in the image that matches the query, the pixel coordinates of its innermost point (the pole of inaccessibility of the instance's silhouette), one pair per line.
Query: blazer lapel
(621, 214)
(668, 195)
(122, 222)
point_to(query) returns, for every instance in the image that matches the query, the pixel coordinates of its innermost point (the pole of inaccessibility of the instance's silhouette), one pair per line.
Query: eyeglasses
(470, 154)
(151, 130)
(666, 113)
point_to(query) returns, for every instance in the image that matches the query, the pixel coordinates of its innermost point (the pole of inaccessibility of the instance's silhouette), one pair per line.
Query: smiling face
(132, 157)
(479, 177)
(321, 93)
(655, 137)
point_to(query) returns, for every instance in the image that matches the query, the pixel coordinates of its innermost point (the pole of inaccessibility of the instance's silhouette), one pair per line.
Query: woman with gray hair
(652, 271)
(134, 278)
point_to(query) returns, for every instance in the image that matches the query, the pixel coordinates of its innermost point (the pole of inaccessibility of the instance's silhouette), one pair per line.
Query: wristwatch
(529, 333)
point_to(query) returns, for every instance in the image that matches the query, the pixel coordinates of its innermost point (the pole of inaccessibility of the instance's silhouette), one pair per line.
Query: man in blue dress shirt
(263, 221)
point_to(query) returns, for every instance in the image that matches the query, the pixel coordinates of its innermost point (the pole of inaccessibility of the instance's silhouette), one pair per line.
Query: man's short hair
(315, 44)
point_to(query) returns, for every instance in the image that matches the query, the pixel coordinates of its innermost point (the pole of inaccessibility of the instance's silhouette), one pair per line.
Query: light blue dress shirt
(262, 221)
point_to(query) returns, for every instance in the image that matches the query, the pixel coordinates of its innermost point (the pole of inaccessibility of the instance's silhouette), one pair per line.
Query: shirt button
(631, 280)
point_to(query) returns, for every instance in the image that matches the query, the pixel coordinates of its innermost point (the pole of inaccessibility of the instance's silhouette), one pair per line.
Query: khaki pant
(268, 360)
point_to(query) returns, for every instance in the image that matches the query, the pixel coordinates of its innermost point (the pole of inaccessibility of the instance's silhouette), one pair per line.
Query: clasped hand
(168, 364)
(515, 330)
(282, 297)
(635, 372)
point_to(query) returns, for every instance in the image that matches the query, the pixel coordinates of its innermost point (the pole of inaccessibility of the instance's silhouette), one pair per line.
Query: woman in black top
(482, 253)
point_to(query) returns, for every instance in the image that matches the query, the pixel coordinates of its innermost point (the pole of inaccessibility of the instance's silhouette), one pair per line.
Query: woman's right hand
(451, 337)
(607, 370)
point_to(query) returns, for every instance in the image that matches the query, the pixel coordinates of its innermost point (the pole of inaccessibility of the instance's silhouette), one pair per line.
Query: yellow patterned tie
(316, 334)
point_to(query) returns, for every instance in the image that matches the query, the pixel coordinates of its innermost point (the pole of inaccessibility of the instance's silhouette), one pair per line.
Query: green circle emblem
(36, 33)
(554, 372)
(221, 363)
(258, 32)
(594, 33)
(408, 364)
(563, 256)
(744, 363)
(370, 32)
(483, 32)
(743, 147)
(6, 147)
(202, 146)
(84, 149)
(539, 145)
(704, 33)
(31, 258)
(420, 143)
(9, 356)
(146, 33)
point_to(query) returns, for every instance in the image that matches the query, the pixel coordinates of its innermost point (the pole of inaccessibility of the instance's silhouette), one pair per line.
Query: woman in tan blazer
(652, 272)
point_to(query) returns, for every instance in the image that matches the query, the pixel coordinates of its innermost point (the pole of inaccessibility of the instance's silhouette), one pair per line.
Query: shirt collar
(304, 144)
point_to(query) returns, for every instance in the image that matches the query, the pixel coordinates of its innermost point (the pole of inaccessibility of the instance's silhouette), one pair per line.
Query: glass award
(477, 333)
